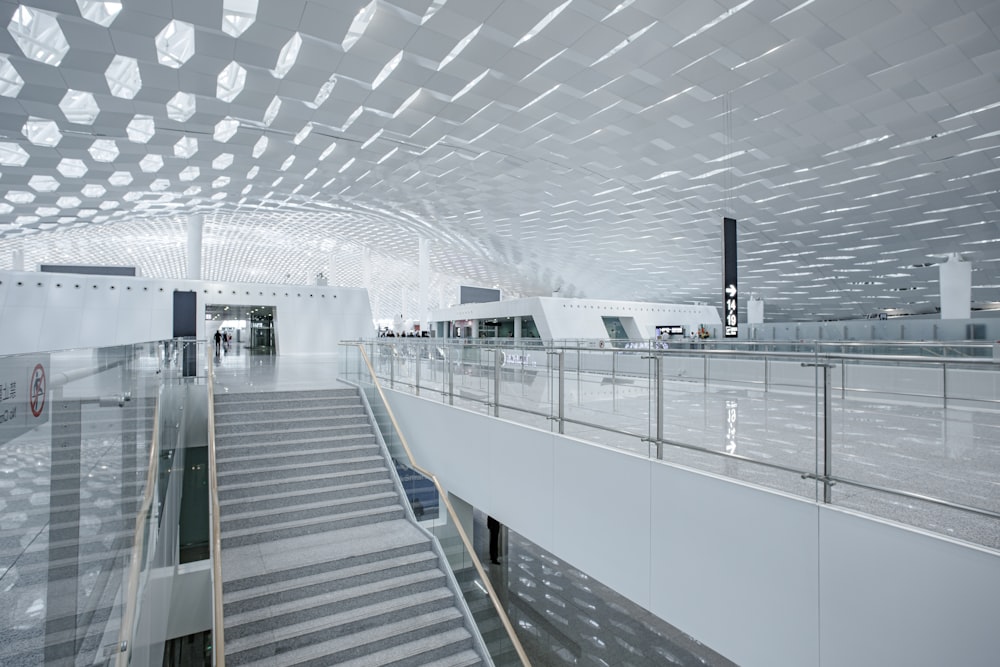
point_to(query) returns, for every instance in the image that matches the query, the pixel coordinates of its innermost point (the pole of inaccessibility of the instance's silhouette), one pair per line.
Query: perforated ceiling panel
(590, 146)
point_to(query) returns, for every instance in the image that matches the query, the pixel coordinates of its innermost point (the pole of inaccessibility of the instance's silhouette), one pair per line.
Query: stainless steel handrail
(833, 479)
(944, 362)
(443, 495)
(218, 623)
(127, 630)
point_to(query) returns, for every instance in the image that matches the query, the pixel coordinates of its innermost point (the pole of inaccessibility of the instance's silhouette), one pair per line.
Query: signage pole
(730, 287)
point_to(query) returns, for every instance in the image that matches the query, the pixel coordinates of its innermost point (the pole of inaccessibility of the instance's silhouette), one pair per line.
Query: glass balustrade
(93, 472)
(904, 430)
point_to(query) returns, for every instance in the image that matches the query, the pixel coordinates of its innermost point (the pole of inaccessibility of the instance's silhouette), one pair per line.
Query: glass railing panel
(756, 411)
(74, 437)
(908, 431)
(608, 397)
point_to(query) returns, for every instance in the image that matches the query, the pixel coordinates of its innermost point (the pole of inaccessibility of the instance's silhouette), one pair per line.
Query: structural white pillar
(517, 327)
(366, 282)
(423, 281)
(955, 281)
(475, 328)
(755, 311)
(195, 225)
(17, 260)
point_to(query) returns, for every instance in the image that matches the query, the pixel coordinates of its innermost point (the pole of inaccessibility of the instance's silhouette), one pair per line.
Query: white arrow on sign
(731, 290)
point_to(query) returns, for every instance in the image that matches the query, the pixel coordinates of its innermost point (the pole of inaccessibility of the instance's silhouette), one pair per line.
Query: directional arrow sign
(729, 279)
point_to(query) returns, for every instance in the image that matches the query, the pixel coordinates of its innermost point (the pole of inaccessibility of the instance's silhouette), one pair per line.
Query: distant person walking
(218, 342)
(494, 527)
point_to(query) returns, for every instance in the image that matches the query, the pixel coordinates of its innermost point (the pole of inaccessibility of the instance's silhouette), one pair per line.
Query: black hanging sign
(730, 288)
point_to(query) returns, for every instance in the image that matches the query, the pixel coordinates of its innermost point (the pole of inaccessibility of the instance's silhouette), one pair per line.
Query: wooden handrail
(218, 625)
(127, 630)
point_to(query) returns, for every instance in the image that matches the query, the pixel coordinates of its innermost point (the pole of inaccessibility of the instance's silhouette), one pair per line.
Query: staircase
(321, 561)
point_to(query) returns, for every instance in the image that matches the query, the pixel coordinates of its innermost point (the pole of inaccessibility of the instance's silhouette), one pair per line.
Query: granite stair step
(292, 498)
(323, 605)
(331, 508)
(352, 633)
(301, 483)
(258, 534)
(319, 582)
(266, 473)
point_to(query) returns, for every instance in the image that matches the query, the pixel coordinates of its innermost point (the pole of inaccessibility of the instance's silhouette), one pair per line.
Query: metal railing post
(658, 360)
(497, 363)
(562, 394)
(827, 435)
(826, 476)
(843, 381)
(451, 375)
(944, 384)
(392, 367)
(418, 362)
(560, 399)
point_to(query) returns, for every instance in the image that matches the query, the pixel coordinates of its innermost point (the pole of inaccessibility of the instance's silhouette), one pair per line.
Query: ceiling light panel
(38, 34)
(237, 16)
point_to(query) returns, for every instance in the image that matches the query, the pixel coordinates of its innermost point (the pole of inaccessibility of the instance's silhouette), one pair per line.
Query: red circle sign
(36, 390)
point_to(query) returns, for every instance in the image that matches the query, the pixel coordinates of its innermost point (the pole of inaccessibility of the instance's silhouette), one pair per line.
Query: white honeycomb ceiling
(590, 146)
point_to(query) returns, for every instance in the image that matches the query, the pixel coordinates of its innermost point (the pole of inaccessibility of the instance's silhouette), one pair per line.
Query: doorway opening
(243, 329)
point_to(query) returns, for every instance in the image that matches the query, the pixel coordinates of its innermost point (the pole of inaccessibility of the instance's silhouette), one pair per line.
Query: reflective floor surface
(564, 617)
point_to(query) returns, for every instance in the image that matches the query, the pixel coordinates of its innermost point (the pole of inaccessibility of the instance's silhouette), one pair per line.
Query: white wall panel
(736, 567)
(600, 515)
(515, 463)
(53, 311)
(20, 327)
(764, 578)
(896, 596)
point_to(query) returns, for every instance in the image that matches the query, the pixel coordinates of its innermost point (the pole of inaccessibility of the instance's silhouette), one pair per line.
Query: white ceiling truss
(590, 146)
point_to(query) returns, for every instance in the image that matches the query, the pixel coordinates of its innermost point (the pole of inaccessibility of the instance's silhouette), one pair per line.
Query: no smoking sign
(36, 391)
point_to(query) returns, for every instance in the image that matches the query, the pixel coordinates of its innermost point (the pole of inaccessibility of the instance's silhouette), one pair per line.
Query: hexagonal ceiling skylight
(586, 146)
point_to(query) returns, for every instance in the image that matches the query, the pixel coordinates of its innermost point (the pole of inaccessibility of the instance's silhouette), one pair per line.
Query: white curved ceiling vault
(590, 146)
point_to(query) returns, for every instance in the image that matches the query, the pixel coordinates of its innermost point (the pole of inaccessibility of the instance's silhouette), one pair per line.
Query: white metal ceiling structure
(589, 146)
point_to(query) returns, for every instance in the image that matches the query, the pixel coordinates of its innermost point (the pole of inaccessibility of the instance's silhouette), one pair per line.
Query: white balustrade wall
(762, 577)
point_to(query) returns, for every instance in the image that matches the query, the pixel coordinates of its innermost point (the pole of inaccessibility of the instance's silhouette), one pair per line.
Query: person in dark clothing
(218, 342)
(494, 527)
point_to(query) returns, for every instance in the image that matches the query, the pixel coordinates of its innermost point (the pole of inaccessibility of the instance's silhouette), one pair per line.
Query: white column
(475, 328)
(755, 311)
(366, 282)
(195, 225)
(955, 281)
(17, 260)
(423, 281)
(517, 328)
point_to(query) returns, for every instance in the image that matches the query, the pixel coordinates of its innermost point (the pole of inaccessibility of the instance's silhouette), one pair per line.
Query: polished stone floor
(562, 616)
